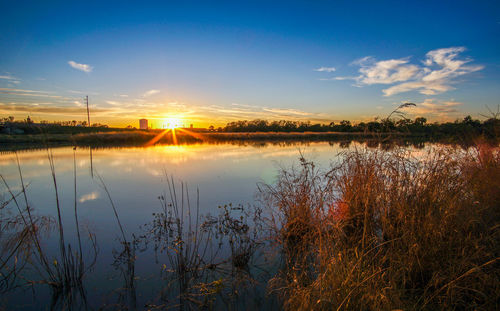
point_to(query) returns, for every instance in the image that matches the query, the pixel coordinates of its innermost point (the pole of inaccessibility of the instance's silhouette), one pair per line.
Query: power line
(88, 112)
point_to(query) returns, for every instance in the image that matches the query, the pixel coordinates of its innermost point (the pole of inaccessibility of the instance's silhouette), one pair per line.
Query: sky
(214, 62)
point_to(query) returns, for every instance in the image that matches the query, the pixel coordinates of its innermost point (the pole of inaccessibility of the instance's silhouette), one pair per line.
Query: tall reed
(385, 230)
(64, 273)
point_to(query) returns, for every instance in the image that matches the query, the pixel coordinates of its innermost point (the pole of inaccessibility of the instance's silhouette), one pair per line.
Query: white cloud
(450, 66)
(21, 90)
(325, 69)
(339, 78)
(150, 93)
(435, 108)
(10, 79)
(7, 77)
(249, 112)
(89, 197)
(286, 112)
(386, 72)
(82, 67)
(437, 73)
(426, 88)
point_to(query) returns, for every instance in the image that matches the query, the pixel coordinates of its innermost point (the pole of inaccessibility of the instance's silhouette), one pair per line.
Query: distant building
(143, 124)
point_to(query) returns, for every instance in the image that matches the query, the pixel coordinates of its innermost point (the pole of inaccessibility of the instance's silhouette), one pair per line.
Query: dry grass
(383, 230)
(22, 247)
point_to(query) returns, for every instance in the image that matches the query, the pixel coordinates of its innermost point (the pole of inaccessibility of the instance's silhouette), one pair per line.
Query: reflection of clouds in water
(268, 176)
(426, 153)
(117, 162)
(14, 188)
(89, 197)
(178, 160)
(7, 161)
(289, 153)
(154, 172)
(202, 156)
(12, 176)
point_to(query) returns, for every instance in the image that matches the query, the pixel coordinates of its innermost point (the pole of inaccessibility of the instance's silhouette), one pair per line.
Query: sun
(171, 123)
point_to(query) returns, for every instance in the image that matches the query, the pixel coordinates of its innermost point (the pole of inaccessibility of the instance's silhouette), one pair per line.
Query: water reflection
(119, 208)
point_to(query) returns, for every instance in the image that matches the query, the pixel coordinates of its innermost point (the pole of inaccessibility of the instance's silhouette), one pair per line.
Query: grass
(383, 230)
(191, 248)
(65, 271)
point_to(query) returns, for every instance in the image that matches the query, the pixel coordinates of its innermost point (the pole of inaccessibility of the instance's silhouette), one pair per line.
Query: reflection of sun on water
(173, 149)
(171, 123)
(172, 127)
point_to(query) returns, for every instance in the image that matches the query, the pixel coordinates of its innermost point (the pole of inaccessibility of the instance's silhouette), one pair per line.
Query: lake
(138, 181)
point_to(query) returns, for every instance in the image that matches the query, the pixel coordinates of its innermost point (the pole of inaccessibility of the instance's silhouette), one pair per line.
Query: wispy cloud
(339, 78)
(10, 79)
(52, 106)
(32, 96)
(289, 112)
(49, 109)
(150, 93)
(75, 92)
(386, 72)
(249, 112)
(436, 75)
(5, 90)
(325, 69)
(89, 197)
(82, 67)
(444, 110)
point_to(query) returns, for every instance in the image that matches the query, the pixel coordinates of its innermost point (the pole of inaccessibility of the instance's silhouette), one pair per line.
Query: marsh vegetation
(383, 230)
(377, 229)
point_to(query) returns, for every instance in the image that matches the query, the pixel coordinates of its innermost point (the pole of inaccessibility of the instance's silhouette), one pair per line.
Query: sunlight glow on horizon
(172, 123)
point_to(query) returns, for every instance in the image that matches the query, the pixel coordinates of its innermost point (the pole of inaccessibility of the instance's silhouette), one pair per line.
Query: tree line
(419, 125)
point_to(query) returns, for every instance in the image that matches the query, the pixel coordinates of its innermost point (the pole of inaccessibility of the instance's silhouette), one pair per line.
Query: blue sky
(215, 62)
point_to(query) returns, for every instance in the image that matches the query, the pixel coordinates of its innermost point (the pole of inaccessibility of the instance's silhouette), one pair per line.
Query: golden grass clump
(388, 230)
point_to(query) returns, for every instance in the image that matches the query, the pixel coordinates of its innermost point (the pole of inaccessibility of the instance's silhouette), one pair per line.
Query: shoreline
(153, 137)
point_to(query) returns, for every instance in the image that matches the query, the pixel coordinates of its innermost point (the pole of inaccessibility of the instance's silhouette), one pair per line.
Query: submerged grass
(384, 230)
(204, 258)
(65, 270)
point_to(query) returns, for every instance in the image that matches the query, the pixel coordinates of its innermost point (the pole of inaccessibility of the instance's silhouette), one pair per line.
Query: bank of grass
(144, 136)
(385, 231)
(139, 138)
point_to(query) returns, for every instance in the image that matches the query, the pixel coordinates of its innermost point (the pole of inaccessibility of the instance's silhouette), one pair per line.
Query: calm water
(135, 178)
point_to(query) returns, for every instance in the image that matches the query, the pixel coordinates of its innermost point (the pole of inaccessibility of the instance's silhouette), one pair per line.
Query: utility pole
(88, 113)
